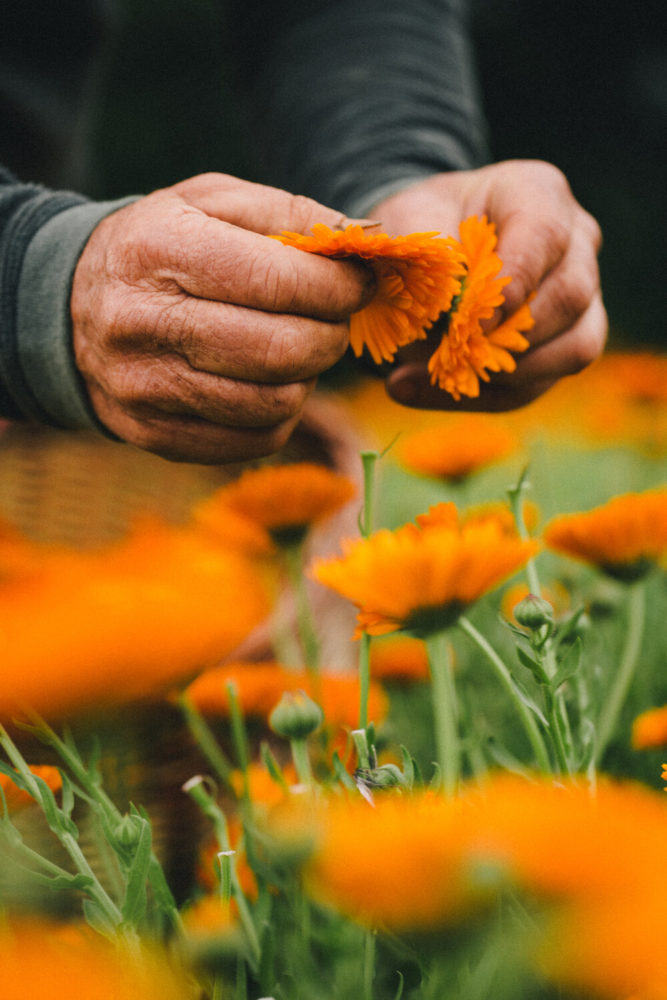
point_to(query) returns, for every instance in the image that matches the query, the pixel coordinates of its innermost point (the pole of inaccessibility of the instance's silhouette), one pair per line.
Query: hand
(548, 245)
(199, 338)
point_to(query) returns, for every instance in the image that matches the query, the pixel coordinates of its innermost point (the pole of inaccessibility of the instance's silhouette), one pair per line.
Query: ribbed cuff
(44, 325)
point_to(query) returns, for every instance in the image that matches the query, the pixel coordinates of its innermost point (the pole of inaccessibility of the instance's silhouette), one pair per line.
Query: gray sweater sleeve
(42, 234)
(357, 100)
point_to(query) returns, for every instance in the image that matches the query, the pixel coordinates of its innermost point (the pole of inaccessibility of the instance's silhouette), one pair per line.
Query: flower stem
(369, 965)
(623, 677)
(503, 674)
(306, 628)
(364, 678)
(205, 739)
(301, 762)
(445, 711)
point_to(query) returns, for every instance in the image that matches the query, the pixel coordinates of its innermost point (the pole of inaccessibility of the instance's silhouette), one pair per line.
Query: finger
(170, 386)
(212, 259)
(189, 439)
(410, 386)
(569, 289)
(233, 341)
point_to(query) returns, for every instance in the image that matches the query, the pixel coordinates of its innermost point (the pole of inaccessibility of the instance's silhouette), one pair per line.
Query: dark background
(584, 85)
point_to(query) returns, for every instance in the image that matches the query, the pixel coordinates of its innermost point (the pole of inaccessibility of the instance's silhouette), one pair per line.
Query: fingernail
(344, 222)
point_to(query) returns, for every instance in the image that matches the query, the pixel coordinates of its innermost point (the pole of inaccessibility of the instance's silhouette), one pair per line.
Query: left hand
(548, 244)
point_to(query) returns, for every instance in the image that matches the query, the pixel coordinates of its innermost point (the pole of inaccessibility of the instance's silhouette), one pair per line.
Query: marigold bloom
(92, 629)
(284, 500)
(399, 658)
(16, 798)
(650, 729)
(466, 353)
(40, 959)
(417, 277)
(259, 687)
(456, 449)
(624, 538)
(422, 578)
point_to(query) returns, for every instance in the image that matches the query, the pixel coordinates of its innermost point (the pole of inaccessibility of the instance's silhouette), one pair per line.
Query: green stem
(205, 739)
(623, 677)
(305, 625)
(369, 965)
(364, 678)
(445, 711)
(503, 674)
(556, 732)
(301, 761)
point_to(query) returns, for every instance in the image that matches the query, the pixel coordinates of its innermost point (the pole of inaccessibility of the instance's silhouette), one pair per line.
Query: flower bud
(128, 832)
(533, 612)
(295, 716)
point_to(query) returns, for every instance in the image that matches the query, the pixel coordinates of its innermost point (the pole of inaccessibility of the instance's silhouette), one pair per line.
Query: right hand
(197, 337)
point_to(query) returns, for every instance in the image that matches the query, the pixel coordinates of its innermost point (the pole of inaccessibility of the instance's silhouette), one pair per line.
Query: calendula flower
(399, 658)
(283, 500)
(422, 578)
(129, 621)
(467, 353)
(260, 686)
(417, 277)
(650, 729)
(454, 450)
(41, 959)
(624, 538)
(16, 798)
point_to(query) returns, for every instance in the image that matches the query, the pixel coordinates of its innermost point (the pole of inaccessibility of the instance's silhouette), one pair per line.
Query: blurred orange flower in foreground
(420, 862)
(422, 578)
(282, 500)
(40, 959)
(624, 538)
(83, 630)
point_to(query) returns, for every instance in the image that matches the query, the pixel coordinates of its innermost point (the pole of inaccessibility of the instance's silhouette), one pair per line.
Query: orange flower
(650, 729)
(284, 500)
(40, 959)
(16, 798)
(466, 353)
(422, 578)
(260, 686)
(92, 629)
(399, 658)
(624, 538)
(458, 448)
(417, 277)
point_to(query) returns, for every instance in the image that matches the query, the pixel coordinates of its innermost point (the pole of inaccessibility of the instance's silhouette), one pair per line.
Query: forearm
(356, 101)
(42, 234)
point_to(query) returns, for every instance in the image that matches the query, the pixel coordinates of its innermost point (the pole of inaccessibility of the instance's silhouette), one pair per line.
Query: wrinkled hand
(199, 338)
(548, 244)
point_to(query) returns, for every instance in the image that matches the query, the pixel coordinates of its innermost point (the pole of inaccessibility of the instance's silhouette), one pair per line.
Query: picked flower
(624, 538)
(424, 277)
(467, 353)
(417, 278)
(283, 500)
(422, 579)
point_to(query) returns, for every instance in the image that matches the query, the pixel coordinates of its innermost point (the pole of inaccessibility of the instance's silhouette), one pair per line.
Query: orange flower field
(392, 726)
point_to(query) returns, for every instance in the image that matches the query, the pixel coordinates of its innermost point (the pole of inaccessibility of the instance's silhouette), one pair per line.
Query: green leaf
(97, 918)
(399, 991)
(408, 767)
(568, 666)
(134, 904)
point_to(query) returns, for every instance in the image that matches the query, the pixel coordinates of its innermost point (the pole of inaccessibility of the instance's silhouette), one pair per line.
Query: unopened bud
(533, 612)
(295, 716)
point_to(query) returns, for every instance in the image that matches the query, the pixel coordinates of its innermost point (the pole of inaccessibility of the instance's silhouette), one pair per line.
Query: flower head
(650, 729)
(624, 538)
(417, 277)
(16, 798)
(467, 353)
(456, 449)
(422, 578)
(283, 500)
